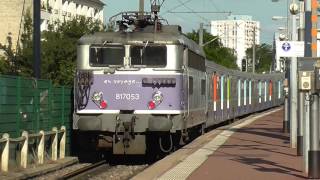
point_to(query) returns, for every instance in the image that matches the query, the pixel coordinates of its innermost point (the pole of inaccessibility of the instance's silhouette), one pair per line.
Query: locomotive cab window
(155, 56)
(106, 55)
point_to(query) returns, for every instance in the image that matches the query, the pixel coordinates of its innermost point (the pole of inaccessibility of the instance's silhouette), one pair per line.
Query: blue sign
(286, 46)
(290, 48)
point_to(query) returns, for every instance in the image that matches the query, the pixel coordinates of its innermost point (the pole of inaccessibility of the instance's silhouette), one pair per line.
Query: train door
(260, 94)
(265, 91)
(228, 96)
(234, 97)
(214, 97)
(210, 99)
(186, 92)
(218, 98)
(206, 89)
(245, 96)
(239, 97)
(279, 92)
(253, 95)
(250, 96)
(222, 96)
(270, 92)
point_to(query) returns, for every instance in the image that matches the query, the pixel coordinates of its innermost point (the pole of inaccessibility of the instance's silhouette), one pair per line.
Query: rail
(24, 140)
(77, 174)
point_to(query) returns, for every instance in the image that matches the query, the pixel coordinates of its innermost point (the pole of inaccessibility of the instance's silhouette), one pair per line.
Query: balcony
(45, 15)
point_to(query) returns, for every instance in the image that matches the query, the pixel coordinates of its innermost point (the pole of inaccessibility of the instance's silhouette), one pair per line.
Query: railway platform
(251, 148)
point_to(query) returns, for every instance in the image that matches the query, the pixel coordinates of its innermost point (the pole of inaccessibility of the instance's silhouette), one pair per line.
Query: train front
(127, 92)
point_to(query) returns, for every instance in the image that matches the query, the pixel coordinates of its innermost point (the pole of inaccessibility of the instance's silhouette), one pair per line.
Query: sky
(260, 10)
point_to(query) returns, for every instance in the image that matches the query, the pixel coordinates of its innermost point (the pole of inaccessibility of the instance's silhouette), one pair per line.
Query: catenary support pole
(307, 53)
(36, 38)
(314, 155)
(293, 90)
(141, 9)
(301, 116)
(201, 35)
(306, 134)
(311, 21)
(301, 103)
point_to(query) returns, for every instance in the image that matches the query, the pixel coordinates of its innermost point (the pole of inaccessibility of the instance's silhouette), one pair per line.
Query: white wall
(237, 35)
(64, 10)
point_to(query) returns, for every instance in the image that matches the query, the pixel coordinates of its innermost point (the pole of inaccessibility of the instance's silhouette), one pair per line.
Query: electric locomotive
(151, 84)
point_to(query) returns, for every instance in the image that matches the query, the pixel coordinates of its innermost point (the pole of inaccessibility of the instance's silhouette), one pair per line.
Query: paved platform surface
(257, 151)
(252, 148)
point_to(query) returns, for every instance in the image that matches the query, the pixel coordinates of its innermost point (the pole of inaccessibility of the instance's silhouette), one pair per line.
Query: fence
(41, 139)
(30, 106)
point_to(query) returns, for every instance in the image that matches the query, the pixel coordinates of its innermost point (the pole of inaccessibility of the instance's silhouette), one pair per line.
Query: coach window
(196, 61)
(203, 86)
(190, 85)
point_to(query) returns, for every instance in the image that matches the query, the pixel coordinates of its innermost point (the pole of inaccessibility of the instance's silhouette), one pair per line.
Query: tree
(24, 56)
(19, 62)
(7, 64)
(58, 49)
(263, 57)
(215, 51)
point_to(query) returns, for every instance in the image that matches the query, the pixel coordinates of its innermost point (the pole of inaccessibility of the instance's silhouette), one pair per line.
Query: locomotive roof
(168, 35)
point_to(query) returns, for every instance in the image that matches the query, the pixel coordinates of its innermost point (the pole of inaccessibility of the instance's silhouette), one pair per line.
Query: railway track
(87, 171)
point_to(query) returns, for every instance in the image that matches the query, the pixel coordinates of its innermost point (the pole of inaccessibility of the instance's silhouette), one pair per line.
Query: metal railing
(24, 140)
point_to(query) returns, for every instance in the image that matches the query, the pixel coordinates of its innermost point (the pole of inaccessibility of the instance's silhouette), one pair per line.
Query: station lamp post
(277, 18)
(293, 89)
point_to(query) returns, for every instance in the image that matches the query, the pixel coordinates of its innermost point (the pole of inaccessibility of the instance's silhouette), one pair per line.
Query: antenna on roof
(155, 9)
(130, 21)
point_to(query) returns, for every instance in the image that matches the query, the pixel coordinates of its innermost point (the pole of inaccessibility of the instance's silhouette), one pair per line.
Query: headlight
(97, 96)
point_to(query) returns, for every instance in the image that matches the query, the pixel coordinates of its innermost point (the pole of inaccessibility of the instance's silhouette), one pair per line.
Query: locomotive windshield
(149, 55)
(107, 55)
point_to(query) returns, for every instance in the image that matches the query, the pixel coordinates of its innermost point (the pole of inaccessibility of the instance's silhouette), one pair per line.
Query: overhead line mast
(141, 9)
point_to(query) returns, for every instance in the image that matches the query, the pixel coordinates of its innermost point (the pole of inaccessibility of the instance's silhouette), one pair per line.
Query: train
(155, 86)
